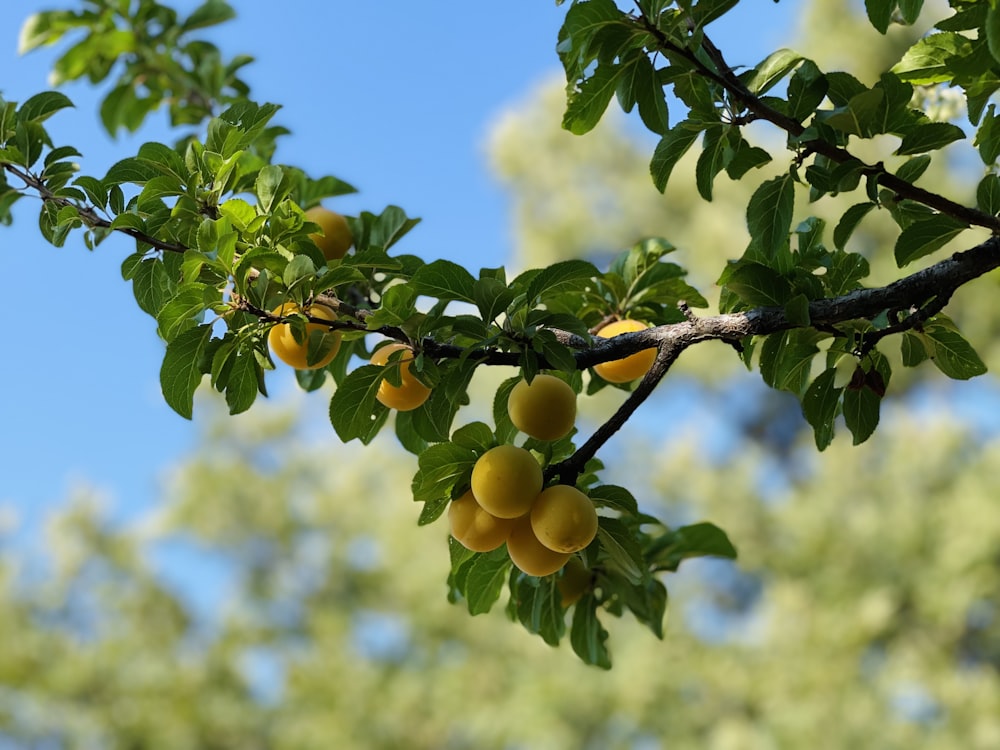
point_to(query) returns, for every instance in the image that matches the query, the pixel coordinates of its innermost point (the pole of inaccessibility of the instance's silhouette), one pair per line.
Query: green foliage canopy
(221, 240)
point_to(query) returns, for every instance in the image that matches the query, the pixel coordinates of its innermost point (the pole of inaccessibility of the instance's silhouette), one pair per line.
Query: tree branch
(725, 77)
(88, 214)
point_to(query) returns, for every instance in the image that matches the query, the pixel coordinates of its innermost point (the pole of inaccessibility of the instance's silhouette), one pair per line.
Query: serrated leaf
(587, 636)
(820, 406)
(444, 280)
(561, 277)
(988, 195)
(539, 610)
(182, 309)
(912, 169)
(711, 161)
(769, 214)
(861, 412)
(669, 150)
(849, 222)
(929, 137)
(993, 31)
(440, 467)
(880, 13)
(620, 549)
(951, 353)
(757, 284)
(354, 411)
(241, 385)
(40, 107)
(484, 580)
(209, 13)
(181, 370)
(492, 297)
(925, 236)
(475, 436)
(615, 497)
(587, 103)
(929, 60)
(771, 70)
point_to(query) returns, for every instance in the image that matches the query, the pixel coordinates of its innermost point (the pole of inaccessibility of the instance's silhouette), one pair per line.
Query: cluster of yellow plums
(543, 527)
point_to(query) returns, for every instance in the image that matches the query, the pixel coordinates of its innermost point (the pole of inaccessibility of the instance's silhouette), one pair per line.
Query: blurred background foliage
(282, 596)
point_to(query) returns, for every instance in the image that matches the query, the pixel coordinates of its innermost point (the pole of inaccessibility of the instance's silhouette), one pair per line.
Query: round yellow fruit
(506, 480)
(474, 528)
(410, 393)
(529, 554)
(545, 409)
(336, 238)
(563, 518)
(575, 581)
(291, 352)
(631, 367)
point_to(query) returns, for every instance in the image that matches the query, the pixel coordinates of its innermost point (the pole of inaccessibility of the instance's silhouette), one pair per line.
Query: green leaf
(567, 275)
(398, 305)
(849, 222)
(484, 580)
(913, 168)
(912, 348)
(587, 103)
(669, 151)
(757, 284)
(505, 429)
(993, 31)
(880, 13)
(267, 185)
(771, 70)
(441, 466)
(475, 436)
(820, 406)
(706, 11)
(806, 90)
(930, 59)
(183, 309)
(444, 280)
(711, 161)
(929, 137)
(151, 285)
(181, 371)
(241, 386)
(988, 195)
(354, 411)
(988, 137)
(909, 10)
(209, 13)
(620, 549)
(539, 610)
(40, 107)
(925, 236)
(614, 497)
(950, 352)
(492, 297)
(786, 359)
(648, 92)
(701, 540)
(769, 214)
(861, 412)
(587, 636)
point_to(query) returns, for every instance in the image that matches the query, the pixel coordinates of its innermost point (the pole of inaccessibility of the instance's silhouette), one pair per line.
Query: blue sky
(395, 98)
